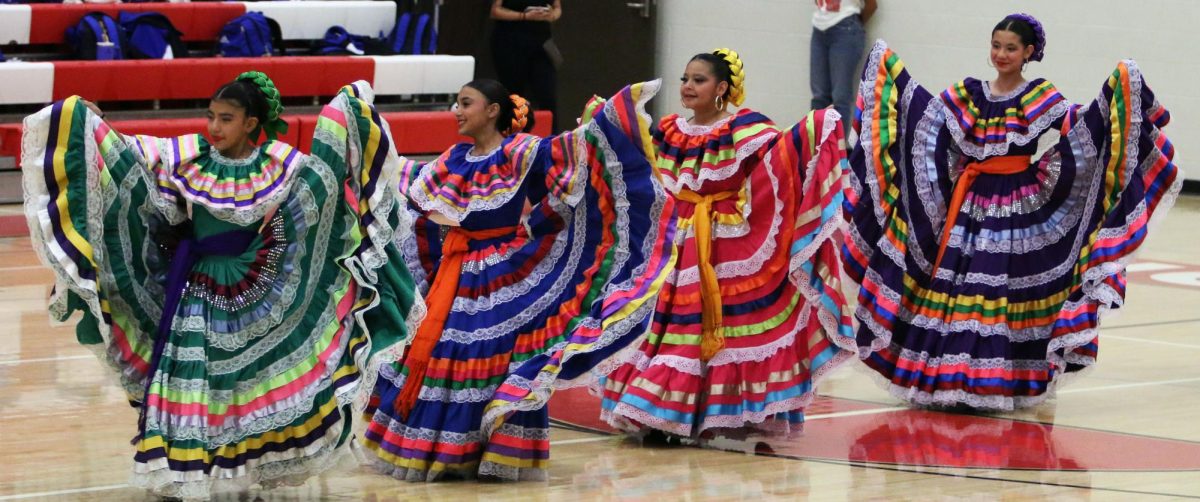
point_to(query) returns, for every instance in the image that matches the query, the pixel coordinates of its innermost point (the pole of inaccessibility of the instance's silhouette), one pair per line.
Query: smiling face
(229, 127)
(699, 87)
(474, 114)
(1008, 52)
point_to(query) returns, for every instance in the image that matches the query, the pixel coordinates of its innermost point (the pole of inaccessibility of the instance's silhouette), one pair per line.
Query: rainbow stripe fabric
(537, 308)
(269, 346)
(1033, 258)
(785, 322)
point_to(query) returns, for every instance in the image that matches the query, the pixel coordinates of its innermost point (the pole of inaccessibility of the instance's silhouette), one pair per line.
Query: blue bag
(97, 37)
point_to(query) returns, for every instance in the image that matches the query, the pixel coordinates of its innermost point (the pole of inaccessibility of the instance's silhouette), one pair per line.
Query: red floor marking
(578, 407)
(928, 438)
(824, 404)
(935, 439)
(1165, 273)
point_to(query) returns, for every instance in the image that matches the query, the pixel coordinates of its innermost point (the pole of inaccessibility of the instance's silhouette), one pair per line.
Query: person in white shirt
(838, 40)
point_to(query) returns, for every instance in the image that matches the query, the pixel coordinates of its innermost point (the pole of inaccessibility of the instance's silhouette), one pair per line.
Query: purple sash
(189, 251)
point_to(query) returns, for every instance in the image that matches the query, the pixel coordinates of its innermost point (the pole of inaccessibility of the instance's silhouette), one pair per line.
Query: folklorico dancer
(752, 313)
(984, 262)
(244, 294)
(543, 258)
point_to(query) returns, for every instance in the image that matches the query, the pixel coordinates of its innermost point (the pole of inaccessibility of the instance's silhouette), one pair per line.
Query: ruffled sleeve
(86, 188)
(563, 159)
(889, 103)
(605, 198)
(812, 149)
(354, 141)
(985, 126)
(1120, 133)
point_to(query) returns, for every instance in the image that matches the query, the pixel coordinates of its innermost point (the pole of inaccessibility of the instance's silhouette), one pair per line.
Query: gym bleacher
(166, 97)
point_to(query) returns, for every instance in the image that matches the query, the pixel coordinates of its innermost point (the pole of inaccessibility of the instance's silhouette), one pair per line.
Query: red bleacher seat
(127, 80)
(199, 22)
(414, 133)
(202, 21)
(197, 78)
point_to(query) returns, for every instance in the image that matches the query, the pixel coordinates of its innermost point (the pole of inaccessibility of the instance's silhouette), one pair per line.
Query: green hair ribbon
(275, 126)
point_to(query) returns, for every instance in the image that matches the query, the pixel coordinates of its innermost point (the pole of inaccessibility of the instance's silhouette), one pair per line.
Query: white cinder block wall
(942, 41)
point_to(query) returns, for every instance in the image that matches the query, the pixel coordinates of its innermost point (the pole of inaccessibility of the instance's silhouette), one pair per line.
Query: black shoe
(660, 438)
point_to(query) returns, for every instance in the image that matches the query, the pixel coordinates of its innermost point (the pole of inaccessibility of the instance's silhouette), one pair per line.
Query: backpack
(414, 33)
(97, 37)
(424, 35)
(339, 41)
(150, 35)
(250, 35)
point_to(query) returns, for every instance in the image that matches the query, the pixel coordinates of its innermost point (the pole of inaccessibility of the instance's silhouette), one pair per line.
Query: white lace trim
(386, 200)
(273, 328)
(749, 418)
(457, 214)
(241, 216)
(506, 294)
(830, 321)
(687, 365)
(244, 161)
(1035, 130)
(406, 242)
(467, 395)
(701, 129)
(547, 300)
(235, 428)
(694, 181)
(732, 269)
(290, 467)
(484, 156)
(626, 418)
(987, 91)
(1092, 284)
(510, 473)
(34, 141)
(542, 386)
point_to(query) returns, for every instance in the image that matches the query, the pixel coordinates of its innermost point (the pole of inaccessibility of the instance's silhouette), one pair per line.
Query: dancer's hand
(92, 106)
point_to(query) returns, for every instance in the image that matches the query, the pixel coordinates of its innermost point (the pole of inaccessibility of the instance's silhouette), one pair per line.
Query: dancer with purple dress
(986, 262)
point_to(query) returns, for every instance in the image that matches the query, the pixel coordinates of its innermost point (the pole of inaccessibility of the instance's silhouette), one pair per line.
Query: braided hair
(256, 93)
(727, 67)
(514, 110)
(520, 114)
(1029, 29)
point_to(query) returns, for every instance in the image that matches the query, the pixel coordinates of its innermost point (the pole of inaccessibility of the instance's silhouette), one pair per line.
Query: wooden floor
(1129, 430)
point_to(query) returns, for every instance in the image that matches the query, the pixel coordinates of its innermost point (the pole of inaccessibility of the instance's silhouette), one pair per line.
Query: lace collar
(480, 158)
(1020, 89)
(697, 130)
(226, 161)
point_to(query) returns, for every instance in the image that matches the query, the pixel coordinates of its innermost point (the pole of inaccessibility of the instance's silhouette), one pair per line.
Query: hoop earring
(720, 103)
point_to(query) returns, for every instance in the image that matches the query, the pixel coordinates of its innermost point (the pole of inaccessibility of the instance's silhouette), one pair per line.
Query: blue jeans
(833, 66)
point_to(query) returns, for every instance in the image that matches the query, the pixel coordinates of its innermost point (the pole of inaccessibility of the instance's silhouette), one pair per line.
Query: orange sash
(439, 300)
(1009, 164)
(712, 336)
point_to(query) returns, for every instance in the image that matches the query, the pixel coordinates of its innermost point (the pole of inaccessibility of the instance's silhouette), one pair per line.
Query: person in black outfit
(523, 51)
